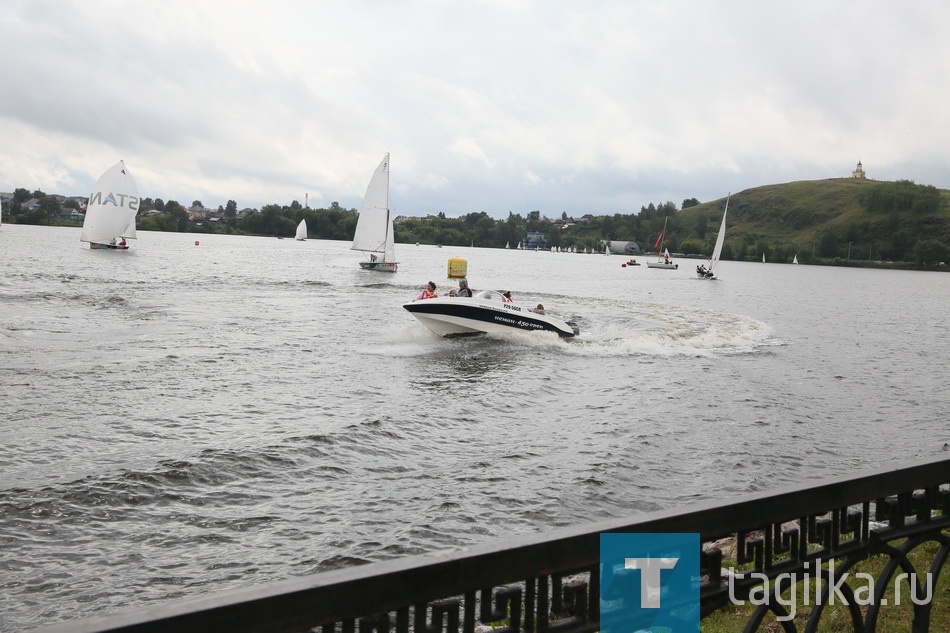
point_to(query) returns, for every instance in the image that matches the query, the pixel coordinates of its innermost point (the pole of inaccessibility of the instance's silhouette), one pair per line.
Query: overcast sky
(485, 105)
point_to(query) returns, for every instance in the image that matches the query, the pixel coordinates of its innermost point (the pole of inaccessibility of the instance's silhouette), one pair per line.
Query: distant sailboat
(663, 258)
(763, 258)
(374, 229)
(301, 231)
(795, 259)
(709, 271)
(110, 214)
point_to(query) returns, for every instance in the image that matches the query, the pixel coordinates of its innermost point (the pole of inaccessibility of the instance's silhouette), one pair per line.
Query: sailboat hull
(662, 265)
(114, 247)
(385, 267)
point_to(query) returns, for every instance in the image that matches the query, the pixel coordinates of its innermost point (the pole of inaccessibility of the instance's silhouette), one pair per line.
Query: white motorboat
(486, 311)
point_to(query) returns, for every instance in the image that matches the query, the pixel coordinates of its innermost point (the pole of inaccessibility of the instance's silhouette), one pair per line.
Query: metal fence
(550, 582)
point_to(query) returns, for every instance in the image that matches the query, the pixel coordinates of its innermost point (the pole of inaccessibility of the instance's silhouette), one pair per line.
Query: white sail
(720, 239)
(795, 259)
(112, 207)
(389, 254)
(302, 231)
(374, 226)
(129, 231)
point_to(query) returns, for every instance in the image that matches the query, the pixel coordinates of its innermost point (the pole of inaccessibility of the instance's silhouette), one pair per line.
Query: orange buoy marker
(623, 265)
(196, 242)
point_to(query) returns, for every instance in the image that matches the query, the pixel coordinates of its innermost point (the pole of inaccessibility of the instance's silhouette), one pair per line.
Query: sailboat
(763, 258)
(709, 270)
(374, 229)
(795, 259)
(301, 231)
(110, 214)
(663, 261)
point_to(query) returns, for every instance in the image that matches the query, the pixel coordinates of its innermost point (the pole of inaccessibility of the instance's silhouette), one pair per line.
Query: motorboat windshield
(491, 295)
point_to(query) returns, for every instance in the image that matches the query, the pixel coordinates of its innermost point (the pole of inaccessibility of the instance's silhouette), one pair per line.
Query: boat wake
(664, 330)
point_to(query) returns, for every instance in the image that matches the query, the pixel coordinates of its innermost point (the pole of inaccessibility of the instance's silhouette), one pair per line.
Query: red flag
(659, 239)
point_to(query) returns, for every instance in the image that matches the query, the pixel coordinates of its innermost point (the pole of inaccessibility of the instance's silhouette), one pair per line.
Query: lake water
(181, 419)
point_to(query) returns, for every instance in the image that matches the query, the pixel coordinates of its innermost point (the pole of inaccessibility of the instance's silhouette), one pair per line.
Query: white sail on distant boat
(763, 258)
(709, 271)
(374, 229)
(301, 231)
(795, 259)
(110, 214)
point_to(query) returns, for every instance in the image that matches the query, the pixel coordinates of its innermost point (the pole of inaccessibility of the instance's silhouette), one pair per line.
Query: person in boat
(123, 242)
(427, 293)
(539, 309)
(701, 269)
(112, 243)
(667, 258)
(464, 290)
(372, 257)
(507, 297)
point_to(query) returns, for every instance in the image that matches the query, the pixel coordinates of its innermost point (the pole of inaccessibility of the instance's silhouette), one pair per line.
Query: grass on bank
(892, 618)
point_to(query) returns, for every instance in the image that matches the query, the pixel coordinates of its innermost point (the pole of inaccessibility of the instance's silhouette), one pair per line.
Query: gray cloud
(487, 105)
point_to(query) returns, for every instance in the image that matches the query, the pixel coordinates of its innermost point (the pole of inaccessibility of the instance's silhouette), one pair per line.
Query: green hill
(820, 220)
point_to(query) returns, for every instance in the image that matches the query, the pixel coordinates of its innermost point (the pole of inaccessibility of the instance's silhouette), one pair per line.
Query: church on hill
(859, 171)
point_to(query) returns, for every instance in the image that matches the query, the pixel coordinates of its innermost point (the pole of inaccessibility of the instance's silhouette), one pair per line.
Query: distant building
(859, 171)
(535, 239)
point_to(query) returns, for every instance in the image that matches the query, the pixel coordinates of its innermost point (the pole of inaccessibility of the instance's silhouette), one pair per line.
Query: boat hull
(459, 316)
(663, 265)
(386, 267)
(114, 247)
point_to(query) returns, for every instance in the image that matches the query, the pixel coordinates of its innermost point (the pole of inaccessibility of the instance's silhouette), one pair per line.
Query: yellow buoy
(458, 267)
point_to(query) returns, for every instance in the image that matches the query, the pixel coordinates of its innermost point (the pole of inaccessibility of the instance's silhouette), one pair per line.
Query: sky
(501, 106)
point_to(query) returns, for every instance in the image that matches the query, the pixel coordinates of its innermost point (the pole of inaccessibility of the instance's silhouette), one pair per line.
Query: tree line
(885, 226)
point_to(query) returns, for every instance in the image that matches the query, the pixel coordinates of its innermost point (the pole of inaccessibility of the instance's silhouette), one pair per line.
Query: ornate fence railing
(550, 582)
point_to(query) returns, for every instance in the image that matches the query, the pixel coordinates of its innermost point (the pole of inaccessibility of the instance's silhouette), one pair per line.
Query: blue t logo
(649, 581)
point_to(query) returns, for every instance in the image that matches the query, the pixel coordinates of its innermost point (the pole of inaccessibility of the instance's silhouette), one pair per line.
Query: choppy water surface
(182, 419)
